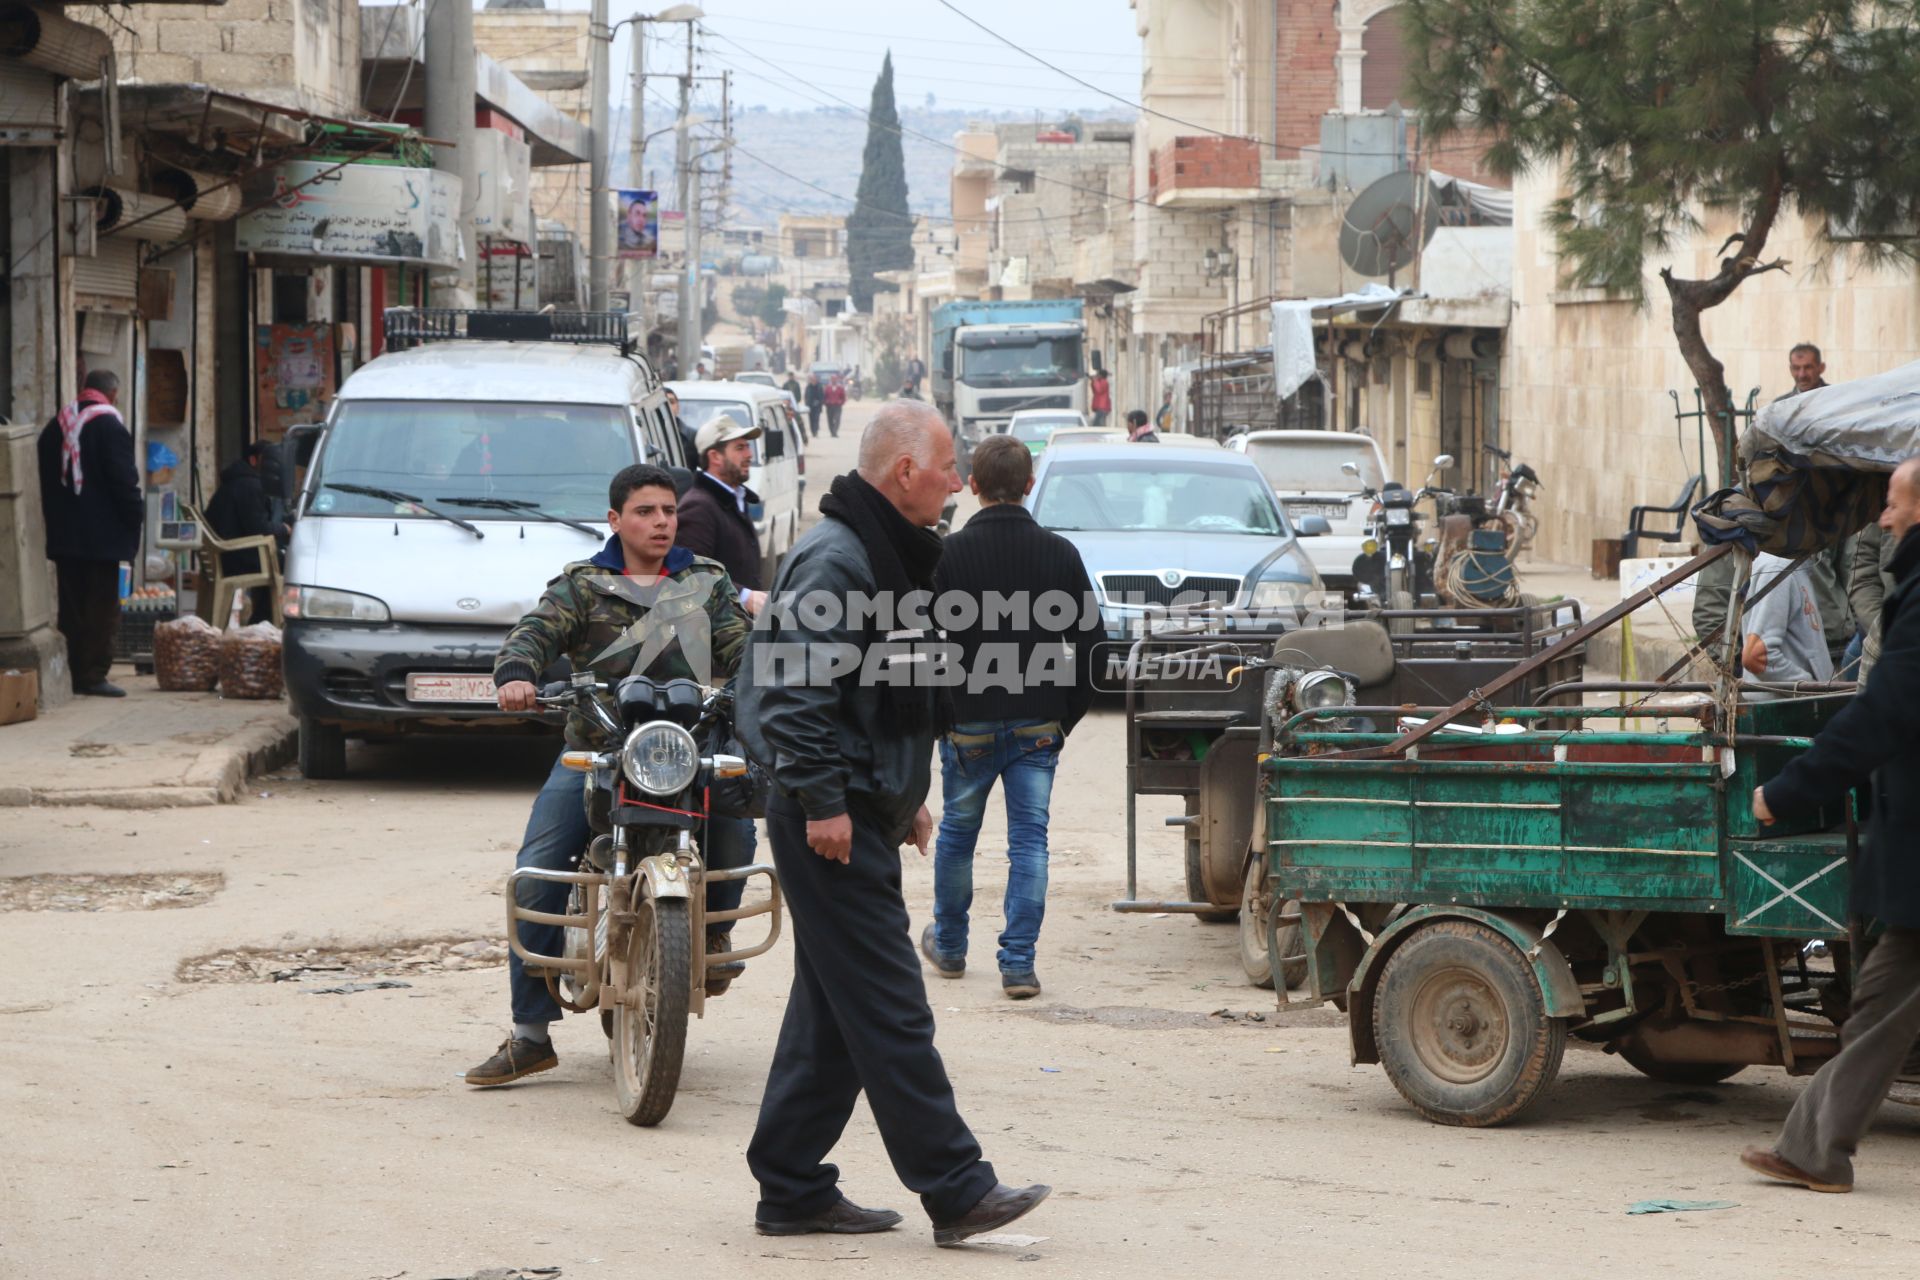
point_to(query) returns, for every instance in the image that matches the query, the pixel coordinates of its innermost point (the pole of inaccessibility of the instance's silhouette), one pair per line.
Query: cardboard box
(19, 696)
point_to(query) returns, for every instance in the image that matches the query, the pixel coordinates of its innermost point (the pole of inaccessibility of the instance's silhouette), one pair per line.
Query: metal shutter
(111, 275)
(29, 105)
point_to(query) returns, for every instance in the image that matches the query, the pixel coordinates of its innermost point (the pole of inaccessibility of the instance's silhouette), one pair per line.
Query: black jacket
(713, 525)
(825, 741)
(1003, 550)
(103, 521)
(1874, 737)
(240, 509)
(816, 395)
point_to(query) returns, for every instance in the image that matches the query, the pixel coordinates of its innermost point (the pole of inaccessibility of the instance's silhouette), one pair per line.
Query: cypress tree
(880, 228)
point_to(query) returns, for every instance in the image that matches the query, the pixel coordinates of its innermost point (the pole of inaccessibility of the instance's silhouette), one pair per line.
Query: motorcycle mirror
(1350, 468)
(1442, 462)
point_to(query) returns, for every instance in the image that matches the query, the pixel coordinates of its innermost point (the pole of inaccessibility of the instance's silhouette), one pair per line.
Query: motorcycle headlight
(660, 758)
(1397, 516)
(1321, 691)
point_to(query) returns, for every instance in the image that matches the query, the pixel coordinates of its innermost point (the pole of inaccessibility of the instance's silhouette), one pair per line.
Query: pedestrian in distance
(1139, 430)
(1100, 397)
(596, 615)
(1012, 736)
(1872, 738)
(851, 761)
(916, 370)
(792, 387)
(689, 438)
(1163, 419)
(836, 399)
(816, 400)
(90, 499)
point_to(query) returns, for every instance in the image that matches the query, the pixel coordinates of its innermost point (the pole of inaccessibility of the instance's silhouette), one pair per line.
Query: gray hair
(904, 428)
(105, 381)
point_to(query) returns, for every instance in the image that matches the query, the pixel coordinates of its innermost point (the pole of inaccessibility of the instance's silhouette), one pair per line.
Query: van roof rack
(409, 327)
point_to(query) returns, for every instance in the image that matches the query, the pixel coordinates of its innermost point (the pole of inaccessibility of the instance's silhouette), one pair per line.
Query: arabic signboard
(354, 213)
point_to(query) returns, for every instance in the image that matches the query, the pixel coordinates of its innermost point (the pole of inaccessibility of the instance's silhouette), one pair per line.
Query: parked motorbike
(1513, 500)
(636, 921)
(1392, 569)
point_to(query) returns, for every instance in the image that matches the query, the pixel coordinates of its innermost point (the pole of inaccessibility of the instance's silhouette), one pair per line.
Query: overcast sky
(802, 55)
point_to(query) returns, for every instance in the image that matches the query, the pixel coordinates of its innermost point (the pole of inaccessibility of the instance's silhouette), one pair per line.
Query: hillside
(823, 146)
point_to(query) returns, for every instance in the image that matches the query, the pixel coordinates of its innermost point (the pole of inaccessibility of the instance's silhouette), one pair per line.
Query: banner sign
(356, 213)
(639, 223)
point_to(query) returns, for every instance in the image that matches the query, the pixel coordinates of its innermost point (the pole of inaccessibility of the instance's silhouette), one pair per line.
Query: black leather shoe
(996, 1209)
(843, 1218)
(104, 689)
(945, 966)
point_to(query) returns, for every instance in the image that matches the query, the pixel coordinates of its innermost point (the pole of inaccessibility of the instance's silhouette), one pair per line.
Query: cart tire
(1400, 626)
(1197, 887)
(650, 1022)
(323, 750)
(1255, 959)
(1462, 1030)
(1688, 1073)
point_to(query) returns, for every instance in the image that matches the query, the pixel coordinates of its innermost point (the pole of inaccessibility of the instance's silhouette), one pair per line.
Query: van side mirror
(1312, 526)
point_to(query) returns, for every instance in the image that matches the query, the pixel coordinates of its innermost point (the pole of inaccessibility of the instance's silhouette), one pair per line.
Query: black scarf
(903, 556)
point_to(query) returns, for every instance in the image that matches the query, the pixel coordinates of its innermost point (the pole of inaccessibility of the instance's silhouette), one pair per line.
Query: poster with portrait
(293, 376)
(639, 223)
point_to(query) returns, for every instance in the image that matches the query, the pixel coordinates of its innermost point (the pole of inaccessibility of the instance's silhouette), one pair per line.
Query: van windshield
(560, 456)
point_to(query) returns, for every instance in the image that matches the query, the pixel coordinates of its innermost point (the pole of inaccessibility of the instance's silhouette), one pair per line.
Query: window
(1423, 377)
(1145, 495)
(1383, 67)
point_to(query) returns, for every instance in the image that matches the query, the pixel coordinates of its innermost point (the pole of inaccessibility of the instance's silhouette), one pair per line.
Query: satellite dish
(1378, 235)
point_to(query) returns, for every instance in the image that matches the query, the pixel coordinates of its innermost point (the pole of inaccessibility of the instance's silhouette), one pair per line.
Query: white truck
(992, 359)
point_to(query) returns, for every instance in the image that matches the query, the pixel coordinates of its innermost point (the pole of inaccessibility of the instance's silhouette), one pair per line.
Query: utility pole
(449, 115)
(639, 281)
(599, 208)
(725, 204)
(690, 211)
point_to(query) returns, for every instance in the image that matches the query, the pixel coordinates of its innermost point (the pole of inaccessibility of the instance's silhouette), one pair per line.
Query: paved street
(245, 1127)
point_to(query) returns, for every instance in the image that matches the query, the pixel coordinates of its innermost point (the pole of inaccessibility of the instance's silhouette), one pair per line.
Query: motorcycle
(1513, 503)
(636, 918)
(1392, 568)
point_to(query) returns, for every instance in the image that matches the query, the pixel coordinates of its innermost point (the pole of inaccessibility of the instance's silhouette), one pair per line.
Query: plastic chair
(1637, 519)
(227, 585)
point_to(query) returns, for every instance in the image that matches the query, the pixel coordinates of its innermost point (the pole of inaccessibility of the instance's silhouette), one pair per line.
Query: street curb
(217, 775)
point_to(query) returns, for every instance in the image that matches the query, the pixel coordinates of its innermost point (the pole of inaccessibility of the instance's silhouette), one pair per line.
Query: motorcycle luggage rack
(409, 327)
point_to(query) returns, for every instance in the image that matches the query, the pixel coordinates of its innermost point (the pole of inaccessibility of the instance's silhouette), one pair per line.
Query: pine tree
(1659, 109)
(879, 230)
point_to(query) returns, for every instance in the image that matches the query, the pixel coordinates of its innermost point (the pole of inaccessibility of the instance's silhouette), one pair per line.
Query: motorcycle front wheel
(650, 1021)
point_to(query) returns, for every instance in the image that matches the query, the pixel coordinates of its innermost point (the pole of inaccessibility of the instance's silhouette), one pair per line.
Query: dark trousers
(857, 1019)
(1834, 1112)
(813, 420)
(557, 835)
(833, 418)
(89, 616)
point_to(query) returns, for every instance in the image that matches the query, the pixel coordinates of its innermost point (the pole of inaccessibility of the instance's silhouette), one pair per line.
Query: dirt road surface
(247, 1127)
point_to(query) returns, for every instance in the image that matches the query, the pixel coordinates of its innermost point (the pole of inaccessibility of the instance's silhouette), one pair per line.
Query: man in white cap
(713, 513)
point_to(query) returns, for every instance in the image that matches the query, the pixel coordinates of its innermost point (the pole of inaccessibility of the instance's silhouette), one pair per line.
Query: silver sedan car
(1163, 527)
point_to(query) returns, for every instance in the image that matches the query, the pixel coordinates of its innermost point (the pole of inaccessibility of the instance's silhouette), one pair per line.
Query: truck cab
(995, 359)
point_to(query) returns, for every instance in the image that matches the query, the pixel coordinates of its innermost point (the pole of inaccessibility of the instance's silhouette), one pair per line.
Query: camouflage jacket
(687, 625)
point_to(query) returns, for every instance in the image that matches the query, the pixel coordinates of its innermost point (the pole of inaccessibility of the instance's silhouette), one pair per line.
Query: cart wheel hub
(1459, 1027)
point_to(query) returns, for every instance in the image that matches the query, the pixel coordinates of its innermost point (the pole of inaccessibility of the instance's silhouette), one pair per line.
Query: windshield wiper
(394, 495)
(521, 504)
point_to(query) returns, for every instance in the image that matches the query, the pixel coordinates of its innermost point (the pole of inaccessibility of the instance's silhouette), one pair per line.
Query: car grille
(1152, 589)
(349, 686)
(1007, 404)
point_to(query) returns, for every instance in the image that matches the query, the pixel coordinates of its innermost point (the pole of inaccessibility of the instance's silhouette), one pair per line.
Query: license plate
(1330, 510)
(450, 688)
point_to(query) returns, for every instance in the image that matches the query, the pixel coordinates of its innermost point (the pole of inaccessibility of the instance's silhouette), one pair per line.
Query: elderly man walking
(850, 750)
(1872, 738)
(90, 496)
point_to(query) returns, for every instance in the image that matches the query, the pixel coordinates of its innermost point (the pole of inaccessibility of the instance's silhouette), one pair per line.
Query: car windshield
(559, 456)
(1040, 362)
(1032, 429)
(1155, 494)
(1313, 466)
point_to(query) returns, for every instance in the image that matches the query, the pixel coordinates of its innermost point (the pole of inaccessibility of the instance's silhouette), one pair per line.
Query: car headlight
(1321, 691)
(660, 758)
(1276, 594)
(324, 604)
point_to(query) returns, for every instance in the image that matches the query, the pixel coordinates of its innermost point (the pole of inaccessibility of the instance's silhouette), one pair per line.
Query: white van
(449, 484)
(779, 472)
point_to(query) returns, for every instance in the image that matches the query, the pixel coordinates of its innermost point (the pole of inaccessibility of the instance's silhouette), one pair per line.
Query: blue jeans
(556, 839)
(1850, 661)
(1023, 755)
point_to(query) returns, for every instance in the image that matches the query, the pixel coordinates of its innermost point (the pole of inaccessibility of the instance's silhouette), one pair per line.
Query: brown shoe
(1769, 1163)
(996, 1209)
(721, 976)
(514, 1060)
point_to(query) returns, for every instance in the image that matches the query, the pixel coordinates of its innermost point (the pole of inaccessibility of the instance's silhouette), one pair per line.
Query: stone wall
(300, 53)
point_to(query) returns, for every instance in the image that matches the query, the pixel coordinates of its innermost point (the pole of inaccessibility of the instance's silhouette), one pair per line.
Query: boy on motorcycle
(641, 606)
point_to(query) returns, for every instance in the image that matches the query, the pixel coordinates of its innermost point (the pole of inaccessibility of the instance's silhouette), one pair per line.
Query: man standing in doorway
(90, 496)
(1011, 732)
(849, 748)
(1871, 738)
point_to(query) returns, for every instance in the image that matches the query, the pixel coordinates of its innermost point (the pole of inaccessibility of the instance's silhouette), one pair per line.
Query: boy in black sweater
(1029, 668)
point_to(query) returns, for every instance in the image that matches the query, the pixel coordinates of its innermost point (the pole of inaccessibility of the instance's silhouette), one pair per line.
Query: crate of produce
(145, 609)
